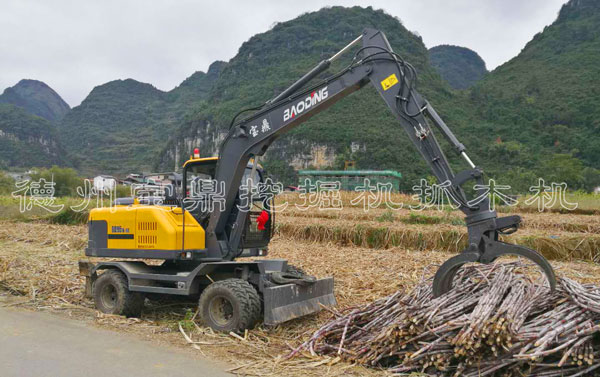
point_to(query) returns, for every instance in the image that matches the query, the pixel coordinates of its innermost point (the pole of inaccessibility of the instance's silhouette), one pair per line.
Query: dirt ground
(38, 271)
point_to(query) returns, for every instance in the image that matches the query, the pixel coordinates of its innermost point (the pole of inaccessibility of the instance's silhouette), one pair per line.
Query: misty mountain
(122, 125)
(27, 140)
(460, 66)
(36, 98)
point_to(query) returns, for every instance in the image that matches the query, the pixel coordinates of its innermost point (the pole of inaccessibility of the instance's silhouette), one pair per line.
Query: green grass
(387, 216)
(587, 203)
(10, 210)
(446, 218)
(69, 217)
(417, 218)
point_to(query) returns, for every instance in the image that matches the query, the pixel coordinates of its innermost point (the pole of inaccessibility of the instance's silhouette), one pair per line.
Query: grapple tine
(442, 282)
(498, 249)
(444, 276)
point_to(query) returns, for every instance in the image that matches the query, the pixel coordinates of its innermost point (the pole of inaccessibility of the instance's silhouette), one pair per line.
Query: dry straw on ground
(586, 204)
(38, 262)
(495, 319)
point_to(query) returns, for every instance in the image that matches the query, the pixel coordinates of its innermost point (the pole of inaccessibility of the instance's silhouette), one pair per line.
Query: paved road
(42, 344)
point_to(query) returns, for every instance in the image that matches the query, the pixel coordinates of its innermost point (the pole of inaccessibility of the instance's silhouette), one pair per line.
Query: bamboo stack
(496, 321)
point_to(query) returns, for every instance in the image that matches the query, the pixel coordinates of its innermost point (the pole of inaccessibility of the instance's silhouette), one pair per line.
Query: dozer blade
(289, 301)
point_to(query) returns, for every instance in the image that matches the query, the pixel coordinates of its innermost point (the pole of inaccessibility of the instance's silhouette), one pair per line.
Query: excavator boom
(395, 80)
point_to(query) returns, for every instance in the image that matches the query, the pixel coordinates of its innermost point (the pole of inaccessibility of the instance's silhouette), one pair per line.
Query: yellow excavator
(200, 230)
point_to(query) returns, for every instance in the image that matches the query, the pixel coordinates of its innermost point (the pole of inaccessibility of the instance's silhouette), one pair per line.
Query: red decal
(262, 219)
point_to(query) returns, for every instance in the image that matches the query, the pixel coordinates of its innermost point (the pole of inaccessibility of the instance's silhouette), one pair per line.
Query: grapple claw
(444, 276)
(442, 282)
(497, 249)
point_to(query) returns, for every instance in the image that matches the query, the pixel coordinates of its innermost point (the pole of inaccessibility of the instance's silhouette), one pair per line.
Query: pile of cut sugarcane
(496, 321)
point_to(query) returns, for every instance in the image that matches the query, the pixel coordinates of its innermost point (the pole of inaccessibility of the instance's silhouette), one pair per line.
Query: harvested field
(587, 204)
(539, 221)
(36, 262)
(556, 245)
(38, 265)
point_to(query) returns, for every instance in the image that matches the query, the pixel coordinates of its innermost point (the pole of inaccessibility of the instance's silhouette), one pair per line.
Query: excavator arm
(394, 79)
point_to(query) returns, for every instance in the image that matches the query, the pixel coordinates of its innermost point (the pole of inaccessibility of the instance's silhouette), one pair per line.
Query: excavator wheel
(230, 305)
(112, 296)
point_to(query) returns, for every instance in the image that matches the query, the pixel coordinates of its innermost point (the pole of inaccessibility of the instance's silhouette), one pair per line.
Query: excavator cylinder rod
(466, 157)
(342, 51)
(319, 68)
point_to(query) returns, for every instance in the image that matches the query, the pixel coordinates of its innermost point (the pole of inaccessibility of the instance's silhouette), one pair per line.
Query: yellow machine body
(146, 227)
(152, 231)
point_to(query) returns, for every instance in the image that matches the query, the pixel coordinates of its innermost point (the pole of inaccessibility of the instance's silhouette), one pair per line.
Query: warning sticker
(389, 81)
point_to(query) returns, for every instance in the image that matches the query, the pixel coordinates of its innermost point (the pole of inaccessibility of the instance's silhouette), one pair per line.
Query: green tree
(591, 178)
(519, 179)
(280, 171)
(563, 167)
(66, 180)
(511, 153)
(7, 184)
(122, 191)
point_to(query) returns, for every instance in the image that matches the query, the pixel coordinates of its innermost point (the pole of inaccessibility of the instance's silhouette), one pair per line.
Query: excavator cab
(203, 195)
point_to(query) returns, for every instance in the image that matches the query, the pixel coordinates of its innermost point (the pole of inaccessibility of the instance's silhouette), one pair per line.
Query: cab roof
(207, 159)
(200, 159)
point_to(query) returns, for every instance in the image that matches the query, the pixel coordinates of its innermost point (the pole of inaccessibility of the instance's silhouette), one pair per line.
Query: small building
(20, 177)
(132, 179)
(105, 182)
(153, 184)
(351, 179)
(162, 179)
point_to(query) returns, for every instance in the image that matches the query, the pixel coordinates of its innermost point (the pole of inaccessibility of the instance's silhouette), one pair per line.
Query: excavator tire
(230, 305)
(112, 296)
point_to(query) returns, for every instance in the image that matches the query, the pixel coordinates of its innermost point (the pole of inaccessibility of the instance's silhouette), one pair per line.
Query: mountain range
(532, 116)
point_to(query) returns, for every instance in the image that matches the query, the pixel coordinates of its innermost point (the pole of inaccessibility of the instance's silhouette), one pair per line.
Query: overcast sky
(76, 45)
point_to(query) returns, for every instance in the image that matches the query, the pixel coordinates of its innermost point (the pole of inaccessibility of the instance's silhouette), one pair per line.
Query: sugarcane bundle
(497, 320)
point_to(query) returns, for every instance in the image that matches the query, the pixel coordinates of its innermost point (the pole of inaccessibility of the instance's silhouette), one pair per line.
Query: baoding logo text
(314, 98)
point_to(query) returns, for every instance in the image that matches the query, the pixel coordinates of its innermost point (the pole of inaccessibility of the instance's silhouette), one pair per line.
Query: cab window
(199, 175)
(196, 174)
(256, 178)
